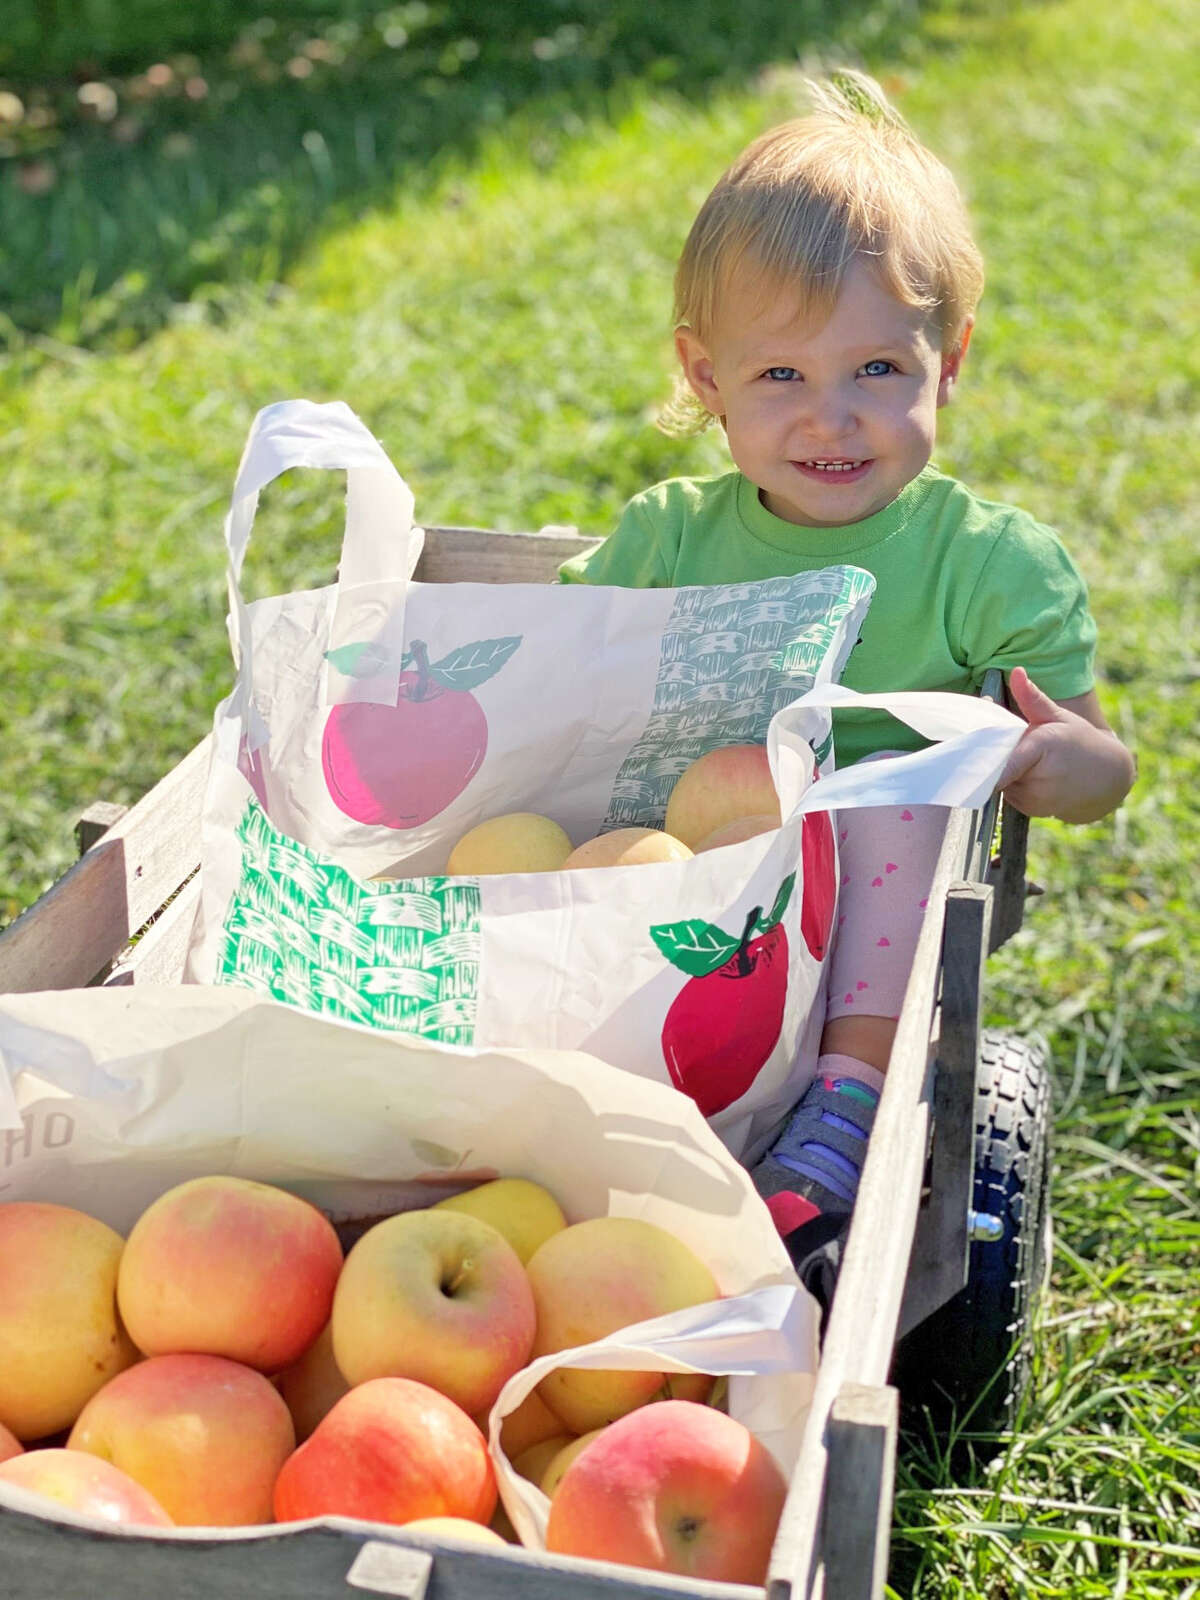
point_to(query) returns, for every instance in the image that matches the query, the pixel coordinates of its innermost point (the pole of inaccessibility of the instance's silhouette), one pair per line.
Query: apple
(520, 841)
(552, 1474)
(739, 829)
(87, 1484)
(227, 1267)
(724, 1023)
(818, 858)
(10, 1445)
(391, 1450)
(206, 1436)
(396, 766)
(721, 786)
(60, 1334)
(529, 1424)
(521, 1210)
(312, 1386)
(455, 1528)
(628, 847)
(676, 1488)
(533, 1462)
(593, 1279)
(437, 1296)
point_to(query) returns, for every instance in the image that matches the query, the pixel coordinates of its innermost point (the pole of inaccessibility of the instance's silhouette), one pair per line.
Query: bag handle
(380, 546)
(976, 739)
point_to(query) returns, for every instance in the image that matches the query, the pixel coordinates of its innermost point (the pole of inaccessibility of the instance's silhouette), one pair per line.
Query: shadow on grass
(150, 157)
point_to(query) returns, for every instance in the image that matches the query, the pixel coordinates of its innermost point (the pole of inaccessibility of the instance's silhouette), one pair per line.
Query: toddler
(824, 303)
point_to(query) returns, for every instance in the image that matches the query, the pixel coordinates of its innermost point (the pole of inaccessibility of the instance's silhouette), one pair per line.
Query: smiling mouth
(831, 467)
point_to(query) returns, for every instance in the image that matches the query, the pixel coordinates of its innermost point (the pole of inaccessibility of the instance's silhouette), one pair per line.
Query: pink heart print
(885, 944)
(876, 883)
(861, 985)
(891, 867)
(906, 816)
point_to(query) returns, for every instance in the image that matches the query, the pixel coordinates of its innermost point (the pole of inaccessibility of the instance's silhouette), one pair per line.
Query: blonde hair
(807, 198)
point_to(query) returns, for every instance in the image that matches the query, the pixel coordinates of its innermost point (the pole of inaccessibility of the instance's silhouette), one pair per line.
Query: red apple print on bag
(398, 765)
(724, 1023)
(819, 860)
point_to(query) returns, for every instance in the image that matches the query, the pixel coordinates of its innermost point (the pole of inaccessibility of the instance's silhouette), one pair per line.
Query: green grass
(502, 325)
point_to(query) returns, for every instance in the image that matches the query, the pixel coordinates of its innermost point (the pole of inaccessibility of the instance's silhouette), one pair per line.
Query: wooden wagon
(947, 1227)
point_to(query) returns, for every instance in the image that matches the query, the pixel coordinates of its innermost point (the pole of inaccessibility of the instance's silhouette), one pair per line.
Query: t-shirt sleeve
(634, 554)
(1029, 608)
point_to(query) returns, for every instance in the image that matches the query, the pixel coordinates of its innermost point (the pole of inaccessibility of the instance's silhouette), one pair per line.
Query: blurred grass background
(462, 220)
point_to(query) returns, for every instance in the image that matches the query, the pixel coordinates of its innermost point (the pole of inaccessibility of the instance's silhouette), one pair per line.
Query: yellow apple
(628, 847)
(719, 787)
(436, 1296)
(520, 841)
(455, 1528)
(524, 1212)
(676, 1488)
(532, 1462)
(312, 1386)
(593, 1279)
(552, 1475)
(61, 1337)
(530, 1423)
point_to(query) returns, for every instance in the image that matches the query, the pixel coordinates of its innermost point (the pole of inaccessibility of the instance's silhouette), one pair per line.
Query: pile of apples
(723, 797)
(228, 1364)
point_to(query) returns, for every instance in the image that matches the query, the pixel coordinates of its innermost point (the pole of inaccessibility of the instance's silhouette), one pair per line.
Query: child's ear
(952, 364)
(698, 370)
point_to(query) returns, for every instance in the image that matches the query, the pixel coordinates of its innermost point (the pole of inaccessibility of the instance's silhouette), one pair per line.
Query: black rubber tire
(965, 1369)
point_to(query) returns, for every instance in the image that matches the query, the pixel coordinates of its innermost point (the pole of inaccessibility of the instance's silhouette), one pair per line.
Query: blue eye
(782, 374)
(878, 369)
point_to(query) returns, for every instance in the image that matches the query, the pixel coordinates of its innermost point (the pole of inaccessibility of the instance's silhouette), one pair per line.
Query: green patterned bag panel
(401, 955)
(731, 657)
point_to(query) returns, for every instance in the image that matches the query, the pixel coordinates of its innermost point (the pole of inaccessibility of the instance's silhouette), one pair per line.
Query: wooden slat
(160, 953)
(866, 1308)
(87, 918)
(938, 1265)
(45, 1560)
(857, 1514)
(474, 555)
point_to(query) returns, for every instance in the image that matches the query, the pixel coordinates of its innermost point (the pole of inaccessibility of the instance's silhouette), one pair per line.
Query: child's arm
(1070, 764)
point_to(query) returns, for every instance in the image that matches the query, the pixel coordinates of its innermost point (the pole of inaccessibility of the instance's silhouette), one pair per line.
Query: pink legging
(886, 857)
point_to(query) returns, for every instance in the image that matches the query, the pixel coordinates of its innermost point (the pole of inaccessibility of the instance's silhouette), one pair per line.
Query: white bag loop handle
(976, 739)
(380, 546)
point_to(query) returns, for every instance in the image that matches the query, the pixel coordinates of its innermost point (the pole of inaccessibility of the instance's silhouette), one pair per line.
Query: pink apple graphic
(396, 766)
(724, 1023)
(819, 860)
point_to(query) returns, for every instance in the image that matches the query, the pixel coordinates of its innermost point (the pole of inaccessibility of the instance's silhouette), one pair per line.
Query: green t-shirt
(963, 584)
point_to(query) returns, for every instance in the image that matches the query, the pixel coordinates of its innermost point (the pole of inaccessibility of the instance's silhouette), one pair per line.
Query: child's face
(829, 422)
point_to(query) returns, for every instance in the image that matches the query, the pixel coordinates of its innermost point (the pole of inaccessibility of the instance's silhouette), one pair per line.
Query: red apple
(819, 862)
(312, 1386)
(390, 1451)
(85, 1483)
(724, 1023)
(399, 765)
(226, 1267)
(674, 1487)
(205, 1436)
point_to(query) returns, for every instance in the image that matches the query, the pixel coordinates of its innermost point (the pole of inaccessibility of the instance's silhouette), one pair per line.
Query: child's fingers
(1034, 706)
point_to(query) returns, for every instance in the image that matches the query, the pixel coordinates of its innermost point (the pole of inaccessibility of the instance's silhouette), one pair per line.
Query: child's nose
(826, 414)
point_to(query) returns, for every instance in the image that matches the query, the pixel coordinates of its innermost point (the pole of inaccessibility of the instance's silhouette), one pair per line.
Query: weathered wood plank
(857, 1515)
(938, 1265)
(160, 953)
(475, 555)
(87, 918)
(43, 1560)
(866, 1308)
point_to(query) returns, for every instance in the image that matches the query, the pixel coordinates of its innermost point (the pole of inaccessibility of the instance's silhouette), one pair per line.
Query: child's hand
(1069, 764)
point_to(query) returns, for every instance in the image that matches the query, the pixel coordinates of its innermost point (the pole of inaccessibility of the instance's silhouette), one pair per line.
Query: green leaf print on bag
(402, 954)
(396, 766)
